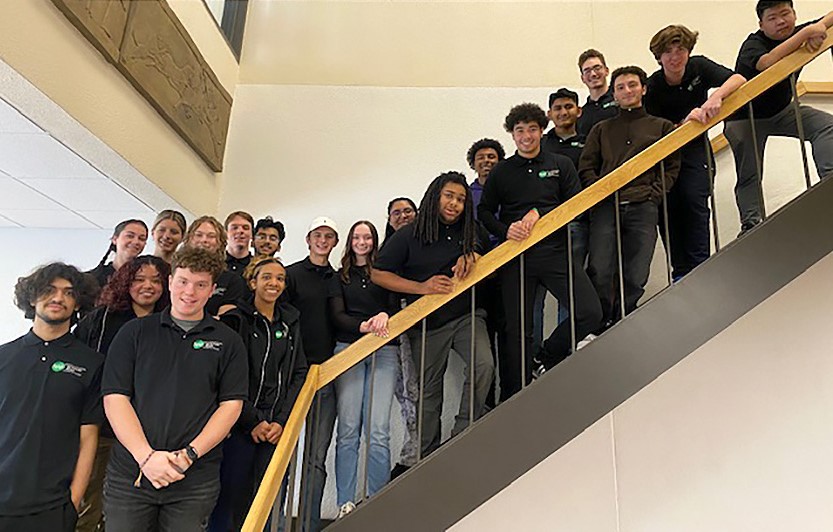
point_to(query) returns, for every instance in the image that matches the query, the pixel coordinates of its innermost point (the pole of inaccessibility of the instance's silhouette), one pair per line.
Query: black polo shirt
(518, 185)
(47, 391)
(236, 265)
(404, 255)
(356, 301)
(307, 289)
(674, 102)
(780, 95)
(594, 111)
(570, 147)
(230, 288)
(175, 381)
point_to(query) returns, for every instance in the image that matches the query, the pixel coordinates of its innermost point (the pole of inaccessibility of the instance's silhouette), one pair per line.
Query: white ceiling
(45, 184)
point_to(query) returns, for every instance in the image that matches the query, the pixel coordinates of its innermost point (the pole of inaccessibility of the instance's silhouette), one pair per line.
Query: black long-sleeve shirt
(518, 185)
(307, 288)
(356, 301)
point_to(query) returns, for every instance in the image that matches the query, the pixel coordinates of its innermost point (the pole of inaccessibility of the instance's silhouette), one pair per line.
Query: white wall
(735, 437)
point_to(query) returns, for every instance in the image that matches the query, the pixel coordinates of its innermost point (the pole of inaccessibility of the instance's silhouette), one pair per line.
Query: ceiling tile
(109, 219)
(62, 219)
(41, 156)
(15, 195)
(5, 222)
(85, 195)
(11, 121)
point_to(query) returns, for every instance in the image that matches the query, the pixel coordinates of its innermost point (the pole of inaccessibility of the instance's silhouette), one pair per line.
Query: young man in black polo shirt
(610, 144)
(679, 91)
(239, 230)
(50, 405)
(307, 289)
(269, 234)
(443, 243)
(600, 104)
(173, 386)
(520, 190)
(773, 110)
(207, 233)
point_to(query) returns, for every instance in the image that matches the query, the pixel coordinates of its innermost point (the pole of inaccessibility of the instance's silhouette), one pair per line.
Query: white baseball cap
(322, 221)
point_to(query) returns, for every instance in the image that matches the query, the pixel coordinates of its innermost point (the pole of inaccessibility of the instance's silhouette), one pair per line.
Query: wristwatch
(192, 453)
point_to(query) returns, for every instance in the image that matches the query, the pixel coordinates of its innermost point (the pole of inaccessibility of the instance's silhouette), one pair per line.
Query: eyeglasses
(407, 211)
(594, 69)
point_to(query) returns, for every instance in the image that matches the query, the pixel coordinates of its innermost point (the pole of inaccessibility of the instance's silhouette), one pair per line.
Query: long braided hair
(427, 223)
(116, 232)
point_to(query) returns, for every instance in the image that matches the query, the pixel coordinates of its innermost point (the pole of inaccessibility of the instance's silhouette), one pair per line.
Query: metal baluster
(523, 323)
(758, 162)
(289, 497)
(799, 123)
(366, 421)
(420, 409)
(308, 467)
(618, 219)
(571, 296)
(667, 231)
(712, 197)
(472, 359)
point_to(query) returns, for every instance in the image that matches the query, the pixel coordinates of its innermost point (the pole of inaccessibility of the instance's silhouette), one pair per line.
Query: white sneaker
(587, 339)
(345, 509)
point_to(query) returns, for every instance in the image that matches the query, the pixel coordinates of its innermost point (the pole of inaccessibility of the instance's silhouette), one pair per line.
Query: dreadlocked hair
(427, 223)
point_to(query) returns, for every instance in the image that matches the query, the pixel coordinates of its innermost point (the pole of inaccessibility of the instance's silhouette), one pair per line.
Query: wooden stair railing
(320, 376)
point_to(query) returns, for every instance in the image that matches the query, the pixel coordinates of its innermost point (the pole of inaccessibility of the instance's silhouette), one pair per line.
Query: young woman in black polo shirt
(128, 241)
(271, 332)
(358, 307)
(443, 243)
(138, 289)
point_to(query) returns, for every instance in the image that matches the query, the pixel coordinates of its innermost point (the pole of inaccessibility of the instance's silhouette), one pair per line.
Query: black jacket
(254, 329)
(98, 328)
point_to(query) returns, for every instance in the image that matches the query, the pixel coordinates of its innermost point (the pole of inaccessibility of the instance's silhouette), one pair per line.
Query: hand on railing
(521, 229)
(464, 266)
(377, 325)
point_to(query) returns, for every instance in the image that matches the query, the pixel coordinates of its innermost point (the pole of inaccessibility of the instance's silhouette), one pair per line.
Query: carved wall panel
(147, 43)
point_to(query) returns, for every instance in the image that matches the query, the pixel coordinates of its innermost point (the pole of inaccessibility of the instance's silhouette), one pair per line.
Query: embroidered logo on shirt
(278, 334)
(609, 104)
(210, 345)
(543, 174)
(693, 84)
(218, 291)
(65, 367)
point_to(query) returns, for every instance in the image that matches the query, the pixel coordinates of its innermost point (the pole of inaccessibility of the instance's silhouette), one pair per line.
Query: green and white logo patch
(208, 345)
(58, 366)
(278, 334)
(65, 367)
(199, 344)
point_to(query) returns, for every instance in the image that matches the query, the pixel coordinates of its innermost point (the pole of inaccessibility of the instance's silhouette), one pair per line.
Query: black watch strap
(192, 453)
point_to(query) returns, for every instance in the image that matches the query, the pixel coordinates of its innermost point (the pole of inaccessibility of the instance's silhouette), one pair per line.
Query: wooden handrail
(403, 320)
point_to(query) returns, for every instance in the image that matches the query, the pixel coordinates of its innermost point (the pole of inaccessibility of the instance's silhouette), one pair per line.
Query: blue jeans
(353, 403)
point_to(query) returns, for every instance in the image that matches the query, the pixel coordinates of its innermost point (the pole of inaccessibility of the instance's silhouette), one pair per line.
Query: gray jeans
(456, 335)
(818, 129)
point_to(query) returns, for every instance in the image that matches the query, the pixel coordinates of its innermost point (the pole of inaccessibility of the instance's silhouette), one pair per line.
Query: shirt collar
(33, 339)
(520, 160)
(315, 268)
(208, 321)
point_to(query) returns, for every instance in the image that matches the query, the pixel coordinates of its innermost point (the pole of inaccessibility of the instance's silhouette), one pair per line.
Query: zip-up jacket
(259, 336)
(98, 328)
(615, 140)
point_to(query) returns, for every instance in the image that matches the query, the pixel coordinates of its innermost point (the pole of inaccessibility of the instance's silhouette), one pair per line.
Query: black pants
(639, 238)
(59, 519)
(545, 265)
(689, 216)
(184, 506)
(490, 299)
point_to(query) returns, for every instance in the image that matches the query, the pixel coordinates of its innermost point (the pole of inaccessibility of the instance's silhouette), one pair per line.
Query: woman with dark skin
(401, 212)
(271, 331)
(128, 241)
(136, 290)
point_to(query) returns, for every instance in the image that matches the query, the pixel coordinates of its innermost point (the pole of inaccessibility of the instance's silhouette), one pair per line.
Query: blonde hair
(222, 237)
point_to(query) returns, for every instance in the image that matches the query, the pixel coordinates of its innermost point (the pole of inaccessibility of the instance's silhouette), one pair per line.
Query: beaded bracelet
(138, 480)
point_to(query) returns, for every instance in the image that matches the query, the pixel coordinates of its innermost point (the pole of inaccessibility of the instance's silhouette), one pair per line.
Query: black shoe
(748, 226)
(397, 470)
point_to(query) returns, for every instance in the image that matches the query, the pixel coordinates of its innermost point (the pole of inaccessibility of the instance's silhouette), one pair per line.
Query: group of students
(198, 389)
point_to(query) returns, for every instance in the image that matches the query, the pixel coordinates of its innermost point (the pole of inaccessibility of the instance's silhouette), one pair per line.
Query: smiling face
(628, 91)
(239, 235)
(267, 241)
(401, 214)
(594, 73)
(190, 292)
(484, 160)
(362, 241)
(564, 113)
(452, 202)
(57, 303)
(130, 242)
(527, 137)
(321, 241)
(205, 237)
(269, 283)
(146, 287)
(167, 234)
(674, 60)
(778, 22)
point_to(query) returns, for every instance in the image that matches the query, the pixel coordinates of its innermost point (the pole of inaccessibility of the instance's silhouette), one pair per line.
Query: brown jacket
(612, 142)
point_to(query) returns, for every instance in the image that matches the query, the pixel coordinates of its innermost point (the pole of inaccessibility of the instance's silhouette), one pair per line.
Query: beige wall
(736, 437)
(40, 43)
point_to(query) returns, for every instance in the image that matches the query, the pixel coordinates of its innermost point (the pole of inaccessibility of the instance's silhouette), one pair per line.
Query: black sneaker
(748, 226)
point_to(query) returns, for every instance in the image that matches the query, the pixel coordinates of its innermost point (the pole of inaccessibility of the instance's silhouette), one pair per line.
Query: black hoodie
(277, 364)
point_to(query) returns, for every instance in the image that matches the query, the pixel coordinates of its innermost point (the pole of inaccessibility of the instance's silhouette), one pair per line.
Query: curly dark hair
(426, 227)
(483, 144)
(35, 285)
(631, 69)
(199, 260)
(116, 293)
(525, 112)
(268, 222)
